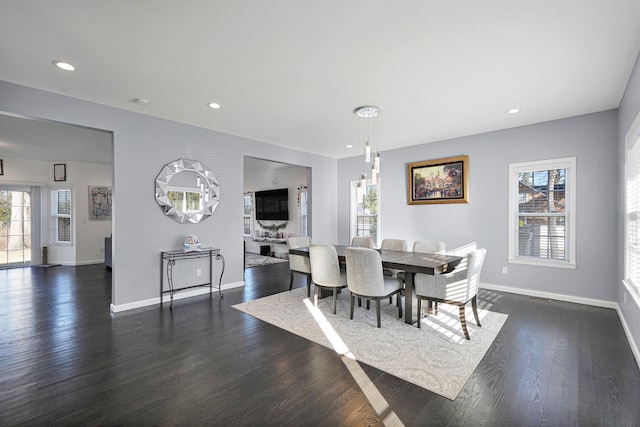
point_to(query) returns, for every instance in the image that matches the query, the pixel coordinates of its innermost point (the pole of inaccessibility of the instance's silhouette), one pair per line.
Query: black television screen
(272, 204)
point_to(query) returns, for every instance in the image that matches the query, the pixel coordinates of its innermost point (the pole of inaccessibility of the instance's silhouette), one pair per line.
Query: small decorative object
(1, 168)
(60, 172)
(273, 228)
(100, 202)
(438, 181)
(192, 244)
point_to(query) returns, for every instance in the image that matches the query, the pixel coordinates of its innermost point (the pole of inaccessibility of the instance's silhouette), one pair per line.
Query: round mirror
(187, 191)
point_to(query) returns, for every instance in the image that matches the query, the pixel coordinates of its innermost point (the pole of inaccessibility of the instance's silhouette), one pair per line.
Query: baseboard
(570, 298)
(179, 295)
(550, 295)
(632, 343)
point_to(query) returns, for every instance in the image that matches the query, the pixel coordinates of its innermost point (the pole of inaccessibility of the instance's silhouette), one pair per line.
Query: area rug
(254, 260)
(436, 357)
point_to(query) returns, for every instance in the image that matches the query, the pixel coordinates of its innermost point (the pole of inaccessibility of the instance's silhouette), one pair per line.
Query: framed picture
(439, 181)
(100, 202)
(60, 172)
(1, 168)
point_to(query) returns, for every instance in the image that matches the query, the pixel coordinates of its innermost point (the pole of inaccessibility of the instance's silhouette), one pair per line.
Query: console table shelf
(169, 259)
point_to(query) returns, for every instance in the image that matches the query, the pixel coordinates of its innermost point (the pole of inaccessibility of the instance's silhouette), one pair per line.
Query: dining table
(409, 262)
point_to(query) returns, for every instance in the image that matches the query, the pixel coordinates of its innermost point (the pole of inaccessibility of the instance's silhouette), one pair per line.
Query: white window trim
(568, 163)
(631, 138)
(250, 216)
(53, 235)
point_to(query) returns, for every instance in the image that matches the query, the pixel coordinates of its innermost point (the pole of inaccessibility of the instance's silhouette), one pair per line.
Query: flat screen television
(272, 204)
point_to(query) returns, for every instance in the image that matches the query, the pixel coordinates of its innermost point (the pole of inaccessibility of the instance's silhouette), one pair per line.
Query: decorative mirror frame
(210, 191)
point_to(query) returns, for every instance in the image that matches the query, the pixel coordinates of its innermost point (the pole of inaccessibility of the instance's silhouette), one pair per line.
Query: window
(302, 203)
(542, 212)
(248, 210)
(364, 209)
(61, 215)
(632, 208)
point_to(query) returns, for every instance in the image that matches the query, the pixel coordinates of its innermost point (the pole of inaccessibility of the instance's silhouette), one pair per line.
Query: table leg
(221, 258)
(408, 297)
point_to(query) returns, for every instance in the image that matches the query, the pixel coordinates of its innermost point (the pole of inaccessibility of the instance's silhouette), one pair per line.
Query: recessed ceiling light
(349, 146)
(513, 111)
(64, 65)
(214, 105)
(142, 101)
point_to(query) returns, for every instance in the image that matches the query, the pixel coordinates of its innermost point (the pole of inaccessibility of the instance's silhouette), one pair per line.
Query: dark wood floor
(65, 360)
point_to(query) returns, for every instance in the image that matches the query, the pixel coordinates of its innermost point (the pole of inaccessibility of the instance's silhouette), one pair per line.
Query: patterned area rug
(435, 357)
(254, 260)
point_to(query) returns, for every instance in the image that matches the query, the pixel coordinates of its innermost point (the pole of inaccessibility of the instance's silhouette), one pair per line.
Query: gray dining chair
(457, 287)
(298, 263)
(424, 247)
(362, 242)
(325, 272)
(393, 245)
(365, 279)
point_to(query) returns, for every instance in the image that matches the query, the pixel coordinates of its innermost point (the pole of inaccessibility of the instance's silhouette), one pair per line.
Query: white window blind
(541, 212)
(632, 214)
(61, 215)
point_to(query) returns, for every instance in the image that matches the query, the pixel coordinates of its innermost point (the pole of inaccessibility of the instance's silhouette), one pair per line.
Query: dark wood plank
(66, 360)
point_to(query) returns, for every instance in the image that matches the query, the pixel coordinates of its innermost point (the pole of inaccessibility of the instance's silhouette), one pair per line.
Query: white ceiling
(291, 72)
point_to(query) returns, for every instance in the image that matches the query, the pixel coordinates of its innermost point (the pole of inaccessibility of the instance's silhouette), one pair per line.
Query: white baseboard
(179, 295)
(550, 295)
(569, 298)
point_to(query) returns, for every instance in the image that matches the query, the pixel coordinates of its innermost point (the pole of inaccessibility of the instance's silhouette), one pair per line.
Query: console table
(169, 259)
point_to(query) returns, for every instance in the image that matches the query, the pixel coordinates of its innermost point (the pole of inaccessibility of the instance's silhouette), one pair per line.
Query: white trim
(542, 262)
(179, 295)
(625, 325)
(571, 192)
(550, 295)
(632, 137)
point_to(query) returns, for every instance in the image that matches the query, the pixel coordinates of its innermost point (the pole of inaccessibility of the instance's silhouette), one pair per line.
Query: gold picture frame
(438, 181)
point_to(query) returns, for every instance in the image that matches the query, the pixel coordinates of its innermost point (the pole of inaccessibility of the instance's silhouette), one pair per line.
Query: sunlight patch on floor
(371, 392)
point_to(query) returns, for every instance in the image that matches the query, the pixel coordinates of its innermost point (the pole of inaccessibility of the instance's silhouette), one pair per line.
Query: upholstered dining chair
(365, 279)
(424, 247)
(393, 245)
(362, 242)
(325, 271)
(457, 287)
(298, 263)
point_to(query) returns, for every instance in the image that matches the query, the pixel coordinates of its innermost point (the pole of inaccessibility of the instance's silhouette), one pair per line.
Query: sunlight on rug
(435, 357)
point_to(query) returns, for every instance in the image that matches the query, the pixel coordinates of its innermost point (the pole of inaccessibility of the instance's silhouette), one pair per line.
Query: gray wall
(629, 109)
(484, 220)
(142, 145)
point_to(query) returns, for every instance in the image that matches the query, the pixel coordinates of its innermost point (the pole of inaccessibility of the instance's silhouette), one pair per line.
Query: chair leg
(291, 280)
(474, 305)
(377, 311)
(368, 304)
(353, 301)
(399, 303)
(359, 302)
(335, 299)
(463, 322)
(419, 311)
(308, 285)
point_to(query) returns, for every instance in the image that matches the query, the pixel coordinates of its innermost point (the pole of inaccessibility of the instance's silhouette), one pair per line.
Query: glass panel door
(15, 228)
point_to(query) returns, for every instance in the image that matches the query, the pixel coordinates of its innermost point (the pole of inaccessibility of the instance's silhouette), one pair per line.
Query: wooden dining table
(409, 262)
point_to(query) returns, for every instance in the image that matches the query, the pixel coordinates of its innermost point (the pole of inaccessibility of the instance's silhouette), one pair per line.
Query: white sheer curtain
(36, 224)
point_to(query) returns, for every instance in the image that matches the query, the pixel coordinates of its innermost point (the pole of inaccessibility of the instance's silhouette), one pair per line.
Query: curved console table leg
(220, 258)
(170, 264)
